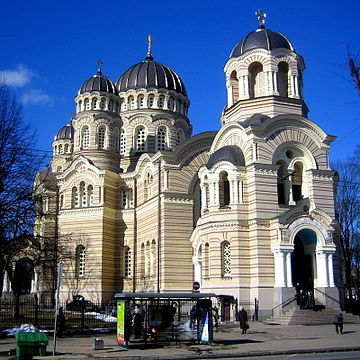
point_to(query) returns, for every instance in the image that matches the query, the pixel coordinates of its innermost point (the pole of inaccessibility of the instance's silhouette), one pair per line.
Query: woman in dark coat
(243, 319)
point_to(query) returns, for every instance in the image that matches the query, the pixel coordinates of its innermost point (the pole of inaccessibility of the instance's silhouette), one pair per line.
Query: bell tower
(264, 75)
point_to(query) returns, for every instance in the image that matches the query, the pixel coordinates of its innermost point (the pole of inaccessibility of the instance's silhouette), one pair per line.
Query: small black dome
(150, 74)
(264, 39)
(65, 133)
(100, 83)
(230, 153)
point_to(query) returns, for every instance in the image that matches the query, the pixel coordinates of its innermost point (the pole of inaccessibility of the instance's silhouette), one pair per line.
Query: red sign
(196, 285)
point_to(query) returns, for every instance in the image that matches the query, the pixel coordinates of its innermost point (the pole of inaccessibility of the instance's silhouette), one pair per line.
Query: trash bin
(30, 344)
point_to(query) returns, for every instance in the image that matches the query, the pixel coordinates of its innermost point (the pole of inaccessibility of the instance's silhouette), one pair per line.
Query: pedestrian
(302, 300)
(137, 321)
(60, 322)
(338, 321)
(243, 319)
(215, 312)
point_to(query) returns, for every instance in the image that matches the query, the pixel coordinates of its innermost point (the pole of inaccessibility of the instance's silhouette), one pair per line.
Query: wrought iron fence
(78, 317)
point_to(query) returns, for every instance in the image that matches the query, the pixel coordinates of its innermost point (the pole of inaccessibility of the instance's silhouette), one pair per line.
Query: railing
(42, 315)
(283, 304)
(328, 296)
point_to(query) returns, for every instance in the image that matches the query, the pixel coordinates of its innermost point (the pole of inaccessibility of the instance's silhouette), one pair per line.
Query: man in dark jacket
(243, 319)
(338, 321)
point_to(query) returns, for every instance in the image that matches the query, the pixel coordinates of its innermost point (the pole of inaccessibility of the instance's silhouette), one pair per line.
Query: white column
(230, 94)
(331, 270)
(6, 282)
(275, 82)
(212, 194)
(216, 194)
(288, 270)
(241, 192)
(236, 191)
(279, 268)
(296, 86)
(203, 197)
(322, 269)
(246, 86)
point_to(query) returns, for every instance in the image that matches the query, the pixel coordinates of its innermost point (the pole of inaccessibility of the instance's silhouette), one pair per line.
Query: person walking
(243, 319)
(338, 321)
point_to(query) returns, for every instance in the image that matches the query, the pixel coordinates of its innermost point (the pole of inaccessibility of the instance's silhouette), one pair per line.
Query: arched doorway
(303, 260)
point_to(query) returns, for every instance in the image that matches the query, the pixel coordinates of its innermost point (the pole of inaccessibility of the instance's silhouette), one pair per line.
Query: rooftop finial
(261, 18)
(149, 56)
(99, 62)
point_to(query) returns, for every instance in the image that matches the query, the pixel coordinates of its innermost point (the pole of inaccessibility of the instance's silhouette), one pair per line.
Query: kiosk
(156, 317)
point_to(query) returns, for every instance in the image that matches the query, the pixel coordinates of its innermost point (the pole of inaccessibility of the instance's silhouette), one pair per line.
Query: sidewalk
(261, 339)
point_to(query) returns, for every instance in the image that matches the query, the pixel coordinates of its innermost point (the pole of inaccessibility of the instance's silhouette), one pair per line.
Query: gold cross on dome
(261, 18)
(149, 38)
(99, 62)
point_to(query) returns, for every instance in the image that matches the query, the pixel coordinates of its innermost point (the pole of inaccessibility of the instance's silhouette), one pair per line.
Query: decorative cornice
(177, 198)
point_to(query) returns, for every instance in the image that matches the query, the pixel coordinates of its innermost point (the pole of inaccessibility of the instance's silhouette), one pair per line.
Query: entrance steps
(295, 316)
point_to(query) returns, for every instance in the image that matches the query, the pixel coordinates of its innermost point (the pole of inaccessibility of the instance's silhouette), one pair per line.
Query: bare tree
(348, 215)
(18, 165)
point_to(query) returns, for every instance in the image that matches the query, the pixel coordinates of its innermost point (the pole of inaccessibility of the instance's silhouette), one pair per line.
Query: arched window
(224, 189)
(74, 197)
(170, 103)
(179, 137)
(66, 148)
(80, 261)
(87, 104)
(161, 102)
(83, 196)
(127, 262)
(111, 105)
(61, 149)
(142, 261)
(206, 264)
(207, 193)
(178, 106)
(296, 182)
(283, 79)
(281, 187)
(147, 259)
(147, 186)
(131, 103)
(123, 200)
(85, 137)
(225, 259)
(161, 138)
(102, 104)
(79, 107)
(90, 195)
(94, 102)
(55, 150)
(101, 136)
(153, 258)
(140, 138)
(59, 169)
(140, 101)
(117, 139)
(256, 80)
(234, 83)
(151, 101)
(122, 142)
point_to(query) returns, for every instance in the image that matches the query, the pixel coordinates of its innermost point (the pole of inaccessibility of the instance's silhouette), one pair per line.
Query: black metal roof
(150, 74)
(231, 153)
(66, 132)
(264, 39)
(99, 83)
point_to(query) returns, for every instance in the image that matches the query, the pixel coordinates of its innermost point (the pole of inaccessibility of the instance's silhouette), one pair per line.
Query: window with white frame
(179, 137)
(90, 195)
(151, 101)
(101, 136)
(161, 138)
(140, 101)
(147, 259)
(127, 262)
(87, 104)
(74, 197)
(122, 142)
(140, 138)
(94, 102)
(83, 195)
(131, 103)
(80, 261)
(161, 102)
(225, 259)
(102, 104)
(85, 137)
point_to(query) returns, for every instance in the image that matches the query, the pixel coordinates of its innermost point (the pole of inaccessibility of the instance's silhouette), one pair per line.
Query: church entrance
(303, 260)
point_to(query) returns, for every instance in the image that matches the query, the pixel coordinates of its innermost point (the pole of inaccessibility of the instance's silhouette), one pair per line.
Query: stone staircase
(295, 316)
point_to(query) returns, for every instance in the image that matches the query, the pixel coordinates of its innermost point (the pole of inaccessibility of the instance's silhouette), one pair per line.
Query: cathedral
(144, 206)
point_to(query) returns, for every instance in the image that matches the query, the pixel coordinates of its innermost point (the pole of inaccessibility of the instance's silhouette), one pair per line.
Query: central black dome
(150, 74)
(264, 39)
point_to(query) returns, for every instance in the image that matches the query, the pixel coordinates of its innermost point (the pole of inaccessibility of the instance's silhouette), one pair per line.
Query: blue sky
(53, 48)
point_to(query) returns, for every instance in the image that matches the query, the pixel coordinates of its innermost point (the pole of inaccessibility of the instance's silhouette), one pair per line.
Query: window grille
(85, 137)
(140, 139)
(101, 137)
(122, 142)
(161, 139)
(127, 263)
(226, 259)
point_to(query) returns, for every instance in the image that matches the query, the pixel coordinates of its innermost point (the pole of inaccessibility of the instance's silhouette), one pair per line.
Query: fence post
(82, 313)
(36, 320)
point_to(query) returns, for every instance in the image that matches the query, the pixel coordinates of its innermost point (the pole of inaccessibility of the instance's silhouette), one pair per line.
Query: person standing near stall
(243, 319)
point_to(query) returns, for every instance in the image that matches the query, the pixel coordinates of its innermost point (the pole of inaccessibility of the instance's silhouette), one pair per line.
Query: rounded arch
(283, 78)
(234, 84)
(257, 80)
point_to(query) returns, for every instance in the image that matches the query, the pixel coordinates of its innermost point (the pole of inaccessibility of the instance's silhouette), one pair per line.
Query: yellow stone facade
(247, 211)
